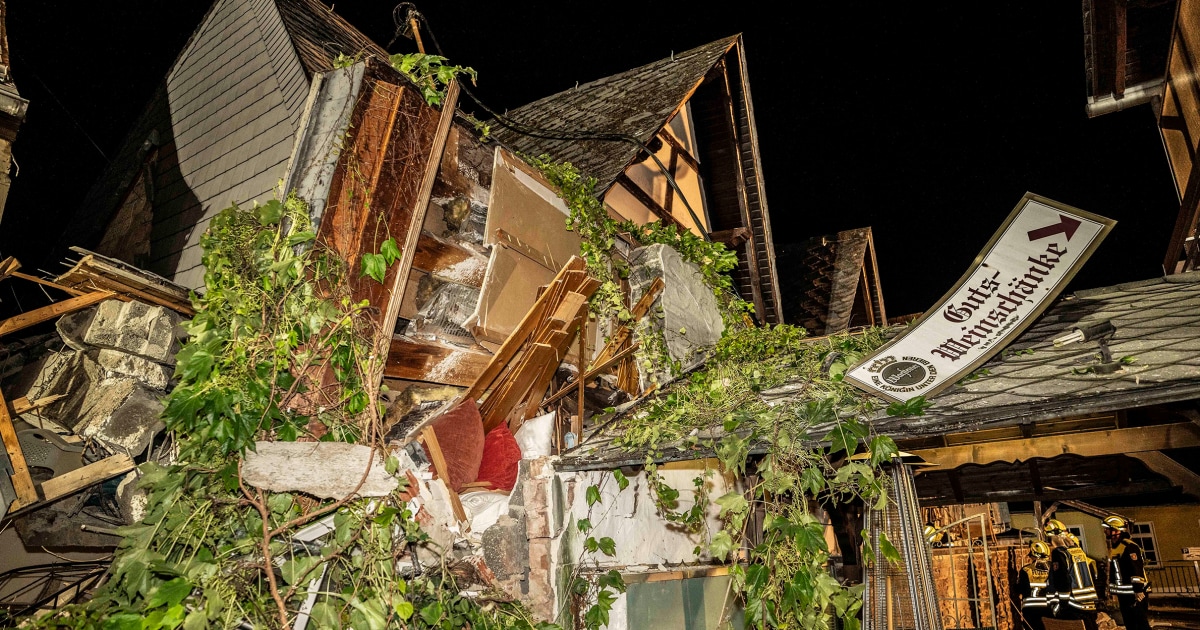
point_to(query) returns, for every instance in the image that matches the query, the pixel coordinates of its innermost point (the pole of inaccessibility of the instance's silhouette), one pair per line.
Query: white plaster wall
(645, 541)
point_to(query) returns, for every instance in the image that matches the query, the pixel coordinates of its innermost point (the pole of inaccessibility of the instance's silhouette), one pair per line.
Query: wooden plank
(433, 362)
(518, 385)
(590, 374)
(1119, 69)
(646, 200)
(638, 311)
(8, 267)
(80, 478)
(448, 261)
(1089, 444)
(417, 212)
(568, 309)
(24, 405)
(439, 464)
(517, 339)
(45, 313)
(47, 283)
(21, 480)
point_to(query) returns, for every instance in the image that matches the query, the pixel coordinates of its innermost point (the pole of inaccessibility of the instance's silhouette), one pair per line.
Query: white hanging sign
(1029, 260)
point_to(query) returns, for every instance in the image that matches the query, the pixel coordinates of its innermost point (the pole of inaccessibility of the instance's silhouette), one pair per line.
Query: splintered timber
(1004, 314)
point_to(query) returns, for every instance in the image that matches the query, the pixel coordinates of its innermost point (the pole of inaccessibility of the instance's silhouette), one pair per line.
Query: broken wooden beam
(448, 261)
(46, 313)
(517, 339)
(21, 480)
(429, 438)
(24, 405)
(590, 374)
(69, 483)
(434, 362)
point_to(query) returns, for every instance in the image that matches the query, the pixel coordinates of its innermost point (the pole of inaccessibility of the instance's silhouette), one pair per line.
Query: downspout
(1134, 95)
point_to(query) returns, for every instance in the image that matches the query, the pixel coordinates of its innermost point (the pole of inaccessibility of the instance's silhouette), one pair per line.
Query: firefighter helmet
(1039, 550)
(1054, 527)
(930, 533)
(1116, 523)
(1072, 538)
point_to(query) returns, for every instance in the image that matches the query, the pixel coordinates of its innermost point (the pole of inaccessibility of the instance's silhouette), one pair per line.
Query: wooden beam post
(45, 313)
(21, 480)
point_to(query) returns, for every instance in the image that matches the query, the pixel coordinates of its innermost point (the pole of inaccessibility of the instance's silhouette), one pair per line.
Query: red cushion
(500, 458)
(460, 436)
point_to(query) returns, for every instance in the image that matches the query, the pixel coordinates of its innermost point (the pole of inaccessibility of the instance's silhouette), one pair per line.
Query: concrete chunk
(137, 328)
(121, 413)
(117, 363)
(329, 470)
(689, 319)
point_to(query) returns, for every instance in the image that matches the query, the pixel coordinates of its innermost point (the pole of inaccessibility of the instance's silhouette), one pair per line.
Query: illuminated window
(1143, 535)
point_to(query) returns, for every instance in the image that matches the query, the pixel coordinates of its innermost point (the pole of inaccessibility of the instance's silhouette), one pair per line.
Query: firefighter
(1071, 592)
(1031, 585)
(1073, 541)
(1127, 574)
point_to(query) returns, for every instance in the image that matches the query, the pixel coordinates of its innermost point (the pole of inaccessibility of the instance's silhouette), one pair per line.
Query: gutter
(1134, 95)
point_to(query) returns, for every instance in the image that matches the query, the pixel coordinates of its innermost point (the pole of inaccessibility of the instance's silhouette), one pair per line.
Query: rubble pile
(105, 373)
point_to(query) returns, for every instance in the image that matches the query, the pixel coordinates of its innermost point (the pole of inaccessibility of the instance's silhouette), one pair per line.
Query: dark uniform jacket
(1031, 586)
(1070, 581)
(1127, 569)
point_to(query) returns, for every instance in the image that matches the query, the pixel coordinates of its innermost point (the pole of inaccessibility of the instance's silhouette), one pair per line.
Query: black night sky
(925, 122)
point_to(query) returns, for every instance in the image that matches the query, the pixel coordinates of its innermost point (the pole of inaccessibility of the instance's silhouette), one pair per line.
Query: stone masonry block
(148, 331)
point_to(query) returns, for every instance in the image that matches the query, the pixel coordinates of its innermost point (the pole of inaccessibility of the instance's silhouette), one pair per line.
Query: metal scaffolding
(899, 596)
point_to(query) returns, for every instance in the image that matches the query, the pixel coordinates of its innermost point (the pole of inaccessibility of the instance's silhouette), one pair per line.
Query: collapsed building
(486, 326)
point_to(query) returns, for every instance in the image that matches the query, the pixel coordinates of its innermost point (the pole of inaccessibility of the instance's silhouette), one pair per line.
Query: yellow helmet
(1072, 538)
(930, 533)
(1039, 550)
(1054, 527)
(1116, 523)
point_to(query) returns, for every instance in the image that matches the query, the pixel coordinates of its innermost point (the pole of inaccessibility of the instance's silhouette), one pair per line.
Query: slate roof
(637, 102)
(319, 35)
(820, 295)
(1157, 325)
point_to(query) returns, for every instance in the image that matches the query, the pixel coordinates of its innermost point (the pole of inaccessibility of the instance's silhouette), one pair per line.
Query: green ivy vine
(798, 446)
(212, 552)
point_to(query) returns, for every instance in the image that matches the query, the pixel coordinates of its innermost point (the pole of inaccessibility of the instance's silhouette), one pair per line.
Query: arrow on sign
(1066, 225)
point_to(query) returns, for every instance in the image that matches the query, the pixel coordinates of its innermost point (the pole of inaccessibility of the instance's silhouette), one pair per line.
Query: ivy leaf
(883, 448)
(300, 237)
(842, 438)
(269, 213)
(622, 480)
(170, 593)
(431, 613)
(732, 503)
(404, 609)
(591, 544)
(593, 495)
(391, 465)
(298, 568)
(608, 546)
(612, 580)
(721, 545)
(374, 266)
(124, 621)
(888, 550)
(584, 525)
(390, 251)
(326, 615)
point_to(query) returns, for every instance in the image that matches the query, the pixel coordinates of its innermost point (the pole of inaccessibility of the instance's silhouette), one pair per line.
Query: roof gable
(320, 35)
(634, 103)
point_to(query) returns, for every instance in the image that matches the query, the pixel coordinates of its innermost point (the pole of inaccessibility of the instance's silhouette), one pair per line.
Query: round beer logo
(904, 373)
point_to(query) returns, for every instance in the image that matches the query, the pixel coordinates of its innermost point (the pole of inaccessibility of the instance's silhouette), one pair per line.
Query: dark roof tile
(636, 103)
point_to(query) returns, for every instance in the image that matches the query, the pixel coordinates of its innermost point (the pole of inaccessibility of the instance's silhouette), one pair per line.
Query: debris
(137, 328)
(329, 470)
(690, 322)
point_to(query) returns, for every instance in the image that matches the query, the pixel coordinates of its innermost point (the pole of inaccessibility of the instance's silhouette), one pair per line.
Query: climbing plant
(277, 351)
